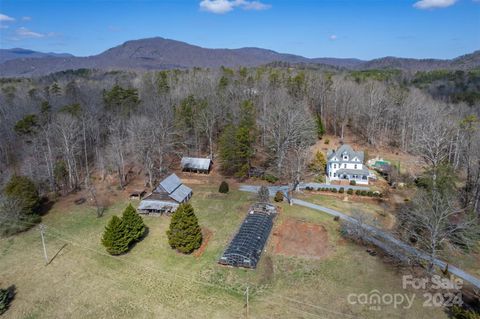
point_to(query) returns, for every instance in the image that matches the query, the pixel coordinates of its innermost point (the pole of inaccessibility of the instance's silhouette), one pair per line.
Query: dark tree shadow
(58, 252)
(7, 299)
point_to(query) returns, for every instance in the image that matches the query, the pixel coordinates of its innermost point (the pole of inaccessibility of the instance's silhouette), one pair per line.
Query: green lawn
(152, 281)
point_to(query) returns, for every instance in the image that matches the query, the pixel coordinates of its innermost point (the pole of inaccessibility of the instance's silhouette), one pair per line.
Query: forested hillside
(61, 129)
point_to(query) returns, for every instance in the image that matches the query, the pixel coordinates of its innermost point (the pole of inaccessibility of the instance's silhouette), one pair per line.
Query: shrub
(350, 191)
(370, 193)
(353, 183)
(327, 141)
(319, 189)
(358, 192)
(334, 190)
(270, 178)
(263, 194)
(308, 188)
(341, 190)
(336, 218)
(133, 223)
(6, 297)
(115, 238)
(363, 193)
(278, 196)
(223, 187)
(184, 233)
(457, 312)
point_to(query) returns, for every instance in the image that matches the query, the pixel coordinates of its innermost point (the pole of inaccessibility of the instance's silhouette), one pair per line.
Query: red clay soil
(207, 234)
(300, 239)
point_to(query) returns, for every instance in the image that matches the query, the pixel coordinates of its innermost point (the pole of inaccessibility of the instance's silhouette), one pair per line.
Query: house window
(334, 174)
(344, 165)
(334, 165)
(355, 166)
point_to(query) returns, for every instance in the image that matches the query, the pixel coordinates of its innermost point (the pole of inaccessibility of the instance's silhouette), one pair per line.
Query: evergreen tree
(115, 238)
(318, 163)
(184, 234)
(223, 188)
(24, 190)
(134, 226)
(236, 143)
(320, 128)
(6, 297)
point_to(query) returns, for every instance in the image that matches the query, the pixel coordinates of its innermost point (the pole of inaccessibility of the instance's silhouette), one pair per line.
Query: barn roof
(181, 193)
(156, 204)
(196, 163)
(169, 184)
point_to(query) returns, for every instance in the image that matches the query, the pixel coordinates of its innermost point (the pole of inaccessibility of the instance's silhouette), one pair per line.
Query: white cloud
(5, 18)
(224, 6)
(25, 33)
(333, 37)
(432, 4)
(255, 5)
(26, 18)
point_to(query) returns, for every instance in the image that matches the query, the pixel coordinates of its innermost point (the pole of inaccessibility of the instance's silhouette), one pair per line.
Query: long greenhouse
(246, 247)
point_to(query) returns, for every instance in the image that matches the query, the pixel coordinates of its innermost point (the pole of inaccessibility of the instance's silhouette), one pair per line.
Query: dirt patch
(300, 239)
(207, 235)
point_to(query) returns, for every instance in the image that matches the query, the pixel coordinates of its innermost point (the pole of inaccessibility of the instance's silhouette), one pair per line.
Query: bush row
(349, 191)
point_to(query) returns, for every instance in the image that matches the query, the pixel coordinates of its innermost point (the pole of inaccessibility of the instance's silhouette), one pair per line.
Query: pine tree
(115, 238)
(320, 127)
(319, 163)
(134, 225)
(223, 188)
(23, 189)
(184, 234)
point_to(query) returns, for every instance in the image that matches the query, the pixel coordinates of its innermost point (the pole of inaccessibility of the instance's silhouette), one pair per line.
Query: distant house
(346, 164)
(168, 195)
(196, 164)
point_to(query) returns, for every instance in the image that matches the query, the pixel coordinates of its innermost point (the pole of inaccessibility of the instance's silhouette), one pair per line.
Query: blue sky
(363, 29)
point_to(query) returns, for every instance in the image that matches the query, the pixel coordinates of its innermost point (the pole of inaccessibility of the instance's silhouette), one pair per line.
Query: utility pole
(42, 231)
(246, 294)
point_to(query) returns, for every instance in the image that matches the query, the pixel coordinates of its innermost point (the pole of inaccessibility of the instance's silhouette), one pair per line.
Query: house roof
(196, 163)
(353, 171)
(345, 148)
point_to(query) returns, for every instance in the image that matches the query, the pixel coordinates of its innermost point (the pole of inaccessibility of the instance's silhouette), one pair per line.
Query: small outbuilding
(137, 193)
(196, 164)
(168, 195)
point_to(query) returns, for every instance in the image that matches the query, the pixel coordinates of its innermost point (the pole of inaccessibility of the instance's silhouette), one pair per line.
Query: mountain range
(159, 53)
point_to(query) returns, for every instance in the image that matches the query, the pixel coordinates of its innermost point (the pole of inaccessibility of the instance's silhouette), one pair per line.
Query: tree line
(60, 129)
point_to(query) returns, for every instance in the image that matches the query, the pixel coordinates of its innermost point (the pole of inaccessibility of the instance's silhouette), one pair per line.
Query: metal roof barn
(196, 164)
(166, 197)
(246, 247)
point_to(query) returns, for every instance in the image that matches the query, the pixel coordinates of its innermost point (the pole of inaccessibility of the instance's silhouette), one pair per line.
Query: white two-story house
(346, 164)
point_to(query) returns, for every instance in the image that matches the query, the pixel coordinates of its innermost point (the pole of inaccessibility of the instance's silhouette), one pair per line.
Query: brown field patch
(300, 239)
(207, 235)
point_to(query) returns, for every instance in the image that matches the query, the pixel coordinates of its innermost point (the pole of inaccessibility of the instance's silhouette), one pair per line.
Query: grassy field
(382, 215)
(152, 281)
